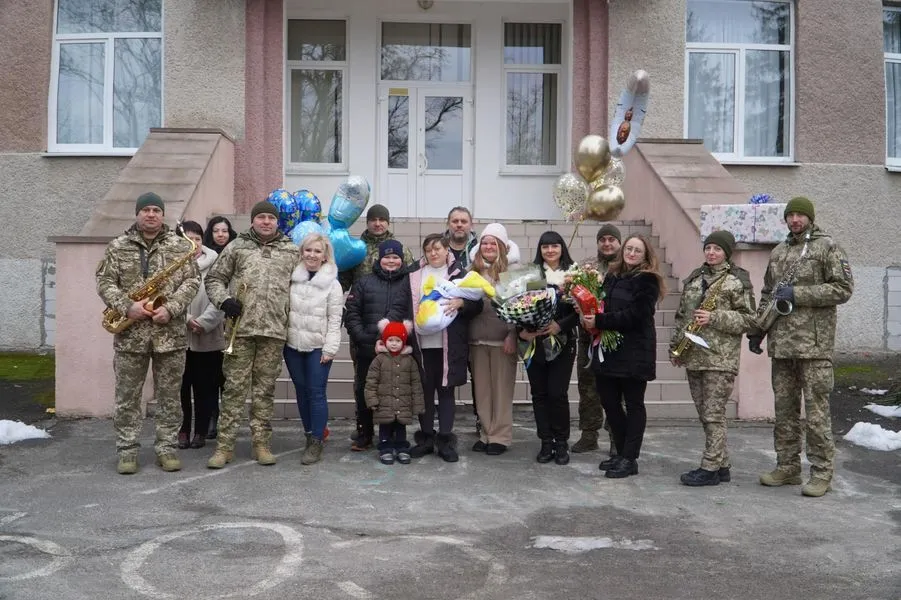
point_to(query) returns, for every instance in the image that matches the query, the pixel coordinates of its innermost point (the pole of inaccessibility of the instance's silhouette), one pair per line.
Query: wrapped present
(769, 223)
(430, 317)
(737, 219)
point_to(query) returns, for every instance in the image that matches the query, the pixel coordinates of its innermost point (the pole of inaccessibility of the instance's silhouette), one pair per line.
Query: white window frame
(561, 71)
(890, 58)
(740, 50)
(343, 67)
(109, 40)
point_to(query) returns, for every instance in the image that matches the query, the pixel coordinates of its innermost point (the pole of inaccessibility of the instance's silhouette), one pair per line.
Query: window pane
(767, 101)
(891, 31)
(711, 100)
(398, 131)
(738, 22)
(532, 44)
(893, 109)
(137, 94)
(79, 103)
(425, 52)
(444, 132)
(316, 116)
(317, 40)
(531, 119)
(108, 16)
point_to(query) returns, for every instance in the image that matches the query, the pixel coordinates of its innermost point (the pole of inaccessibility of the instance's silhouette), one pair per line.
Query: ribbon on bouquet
(553, 346)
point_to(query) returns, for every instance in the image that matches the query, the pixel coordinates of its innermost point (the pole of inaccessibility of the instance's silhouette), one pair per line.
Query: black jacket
(630, 303)
(379, 295)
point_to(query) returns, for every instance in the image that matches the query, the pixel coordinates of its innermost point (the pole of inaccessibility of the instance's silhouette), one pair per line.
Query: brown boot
(262, 454)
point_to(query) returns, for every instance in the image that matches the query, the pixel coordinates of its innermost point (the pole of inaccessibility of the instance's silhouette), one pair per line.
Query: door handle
(423, 163)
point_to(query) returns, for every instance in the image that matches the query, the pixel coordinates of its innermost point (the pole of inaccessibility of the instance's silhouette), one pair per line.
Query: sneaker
(387, 457)
(313, 452)
(168, 462)
(479, 446)
(128, 464)
(219, 459)
(700, 477)
(725, 474)
(263, 455)
(587, 443)
(403, 457)
(780, 476)
(816, 487)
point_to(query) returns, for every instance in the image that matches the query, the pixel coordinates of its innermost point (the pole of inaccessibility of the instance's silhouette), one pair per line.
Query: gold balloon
(570, 193)
(605, 203)
(615, 173)
(592, 156)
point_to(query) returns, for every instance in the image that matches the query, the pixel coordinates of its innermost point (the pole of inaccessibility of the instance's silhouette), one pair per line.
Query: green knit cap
(611, 230)
(149, 199)
(263, 206)
(800, 205)
(723, 239)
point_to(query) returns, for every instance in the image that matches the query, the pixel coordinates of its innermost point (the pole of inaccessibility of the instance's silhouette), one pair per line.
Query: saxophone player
(718, 305)
(157, 336)
(813, 277)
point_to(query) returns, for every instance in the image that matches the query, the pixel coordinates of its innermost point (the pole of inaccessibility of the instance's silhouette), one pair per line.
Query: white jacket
(208, 316)
(317, 305)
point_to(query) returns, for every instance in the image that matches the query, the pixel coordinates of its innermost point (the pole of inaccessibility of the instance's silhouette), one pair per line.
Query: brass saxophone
(708, 304)
(779, 308)
(149, 291)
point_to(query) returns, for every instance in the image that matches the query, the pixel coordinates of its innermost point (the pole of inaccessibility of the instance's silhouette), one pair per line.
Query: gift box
(769, 223)
(749, 223)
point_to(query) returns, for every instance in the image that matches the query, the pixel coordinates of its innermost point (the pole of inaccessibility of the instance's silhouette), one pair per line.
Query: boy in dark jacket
(394, 390)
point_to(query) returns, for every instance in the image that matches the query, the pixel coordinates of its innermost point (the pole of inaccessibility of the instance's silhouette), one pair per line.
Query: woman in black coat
(632, 289)
(549, 374)
(383, 294)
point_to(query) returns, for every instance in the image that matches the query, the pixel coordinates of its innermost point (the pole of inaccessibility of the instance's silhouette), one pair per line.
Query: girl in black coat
(549, 375)
(383, 294)
(632, 287)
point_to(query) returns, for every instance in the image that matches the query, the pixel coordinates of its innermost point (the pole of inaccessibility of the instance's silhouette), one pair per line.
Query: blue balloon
(349, 252)
(288, 209)
(349, 201)
(303, 229)
(310, 206)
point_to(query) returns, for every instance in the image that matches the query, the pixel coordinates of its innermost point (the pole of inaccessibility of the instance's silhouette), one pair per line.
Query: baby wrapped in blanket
(430, 317)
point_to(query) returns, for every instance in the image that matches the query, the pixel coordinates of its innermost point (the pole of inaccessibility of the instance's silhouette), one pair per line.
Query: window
(533, 65)
(891, 35)
(317, 72)
(738, 68)
(106, 79)
(438, 52)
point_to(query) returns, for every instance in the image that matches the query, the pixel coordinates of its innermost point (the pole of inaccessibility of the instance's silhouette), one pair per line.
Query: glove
(786, 293)
(232, 307)
(754, 342)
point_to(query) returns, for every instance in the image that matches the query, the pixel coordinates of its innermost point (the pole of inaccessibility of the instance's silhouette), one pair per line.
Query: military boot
(220, 458)
(313, 452)
(780, 476)
(168, 462)
(587, 443)
(128, 463)
(816, 487)
(262, 454)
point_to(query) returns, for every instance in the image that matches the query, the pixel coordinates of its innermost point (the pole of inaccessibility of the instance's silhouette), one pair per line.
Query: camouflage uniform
(257, 358)
(711, 372)
(801, 345)
(129, 261)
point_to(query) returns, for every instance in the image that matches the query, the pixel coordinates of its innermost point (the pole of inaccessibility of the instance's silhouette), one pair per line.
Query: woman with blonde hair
(492, 346)
(314, 332)
(632, 288)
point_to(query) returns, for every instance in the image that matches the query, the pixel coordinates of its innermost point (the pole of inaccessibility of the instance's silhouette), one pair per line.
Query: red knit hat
(393, 329)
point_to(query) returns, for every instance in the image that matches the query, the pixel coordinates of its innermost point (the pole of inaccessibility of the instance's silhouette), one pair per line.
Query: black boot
(425, 444)
(700, 477)
(725, 474)
(609, 463)
(447, 447)
(623, 468)
(546, 454)
(561, 453)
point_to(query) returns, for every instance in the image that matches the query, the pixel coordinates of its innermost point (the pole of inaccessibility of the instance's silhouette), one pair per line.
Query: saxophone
(778, 308)
(708, 304)
(149, 291)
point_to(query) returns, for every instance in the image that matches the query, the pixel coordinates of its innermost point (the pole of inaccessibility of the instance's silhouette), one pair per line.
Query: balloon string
(575, 231)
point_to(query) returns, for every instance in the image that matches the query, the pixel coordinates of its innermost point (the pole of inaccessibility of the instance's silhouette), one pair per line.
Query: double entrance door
(425, 147)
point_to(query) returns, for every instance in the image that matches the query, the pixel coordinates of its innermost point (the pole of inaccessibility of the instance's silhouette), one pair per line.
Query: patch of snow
(16, 431)
(576, 545)
(884, 411)
(852, 387)
(874, 437)
(872, 392)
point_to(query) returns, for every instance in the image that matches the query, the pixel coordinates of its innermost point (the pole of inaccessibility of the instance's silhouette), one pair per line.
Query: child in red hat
(394, 390)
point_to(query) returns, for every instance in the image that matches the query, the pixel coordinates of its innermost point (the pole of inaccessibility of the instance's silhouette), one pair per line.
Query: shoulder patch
(846, 268)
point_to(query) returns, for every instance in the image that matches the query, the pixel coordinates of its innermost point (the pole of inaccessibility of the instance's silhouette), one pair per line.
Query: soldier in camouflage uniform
(263, 258)
(156, 337)
(801, 345)
(591, 414)
(712, 371)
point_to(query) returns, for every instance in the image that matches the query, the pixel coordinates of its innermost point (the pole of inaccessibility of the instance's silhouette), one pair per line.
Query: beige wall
(204, 64)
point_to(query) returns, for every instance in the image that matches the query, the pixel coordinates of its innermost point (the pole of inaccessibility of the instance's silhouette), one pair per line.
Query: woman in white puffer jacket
(314, 332)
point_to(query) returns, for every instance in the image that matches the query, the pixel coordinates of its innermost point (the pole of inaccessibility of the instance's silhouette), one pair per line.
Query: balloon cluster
(596, 193)
(299, 215)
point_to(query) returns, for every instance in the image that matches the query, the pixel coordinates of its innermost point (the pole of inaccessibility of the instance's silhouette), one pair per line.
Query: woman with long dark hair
(551, 366)
(632, 288)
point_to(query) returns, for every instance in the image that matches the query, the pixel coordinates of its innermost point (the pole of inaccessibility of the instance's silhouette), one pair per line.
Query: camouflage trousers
(130, 369)
(812, 380)
(710, 391)
(591, 415)
(253, 366)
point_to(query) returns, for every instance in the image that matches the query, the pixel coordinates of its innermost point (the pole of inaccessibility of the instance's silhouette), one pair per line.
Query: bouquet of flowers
(527, 302)
(583, 287)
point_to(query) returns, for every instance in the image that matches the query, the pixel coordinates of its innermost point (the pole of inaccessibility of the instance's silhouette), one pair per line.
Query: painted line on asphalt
(286, 568)
(61, 557)
(10, 518)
